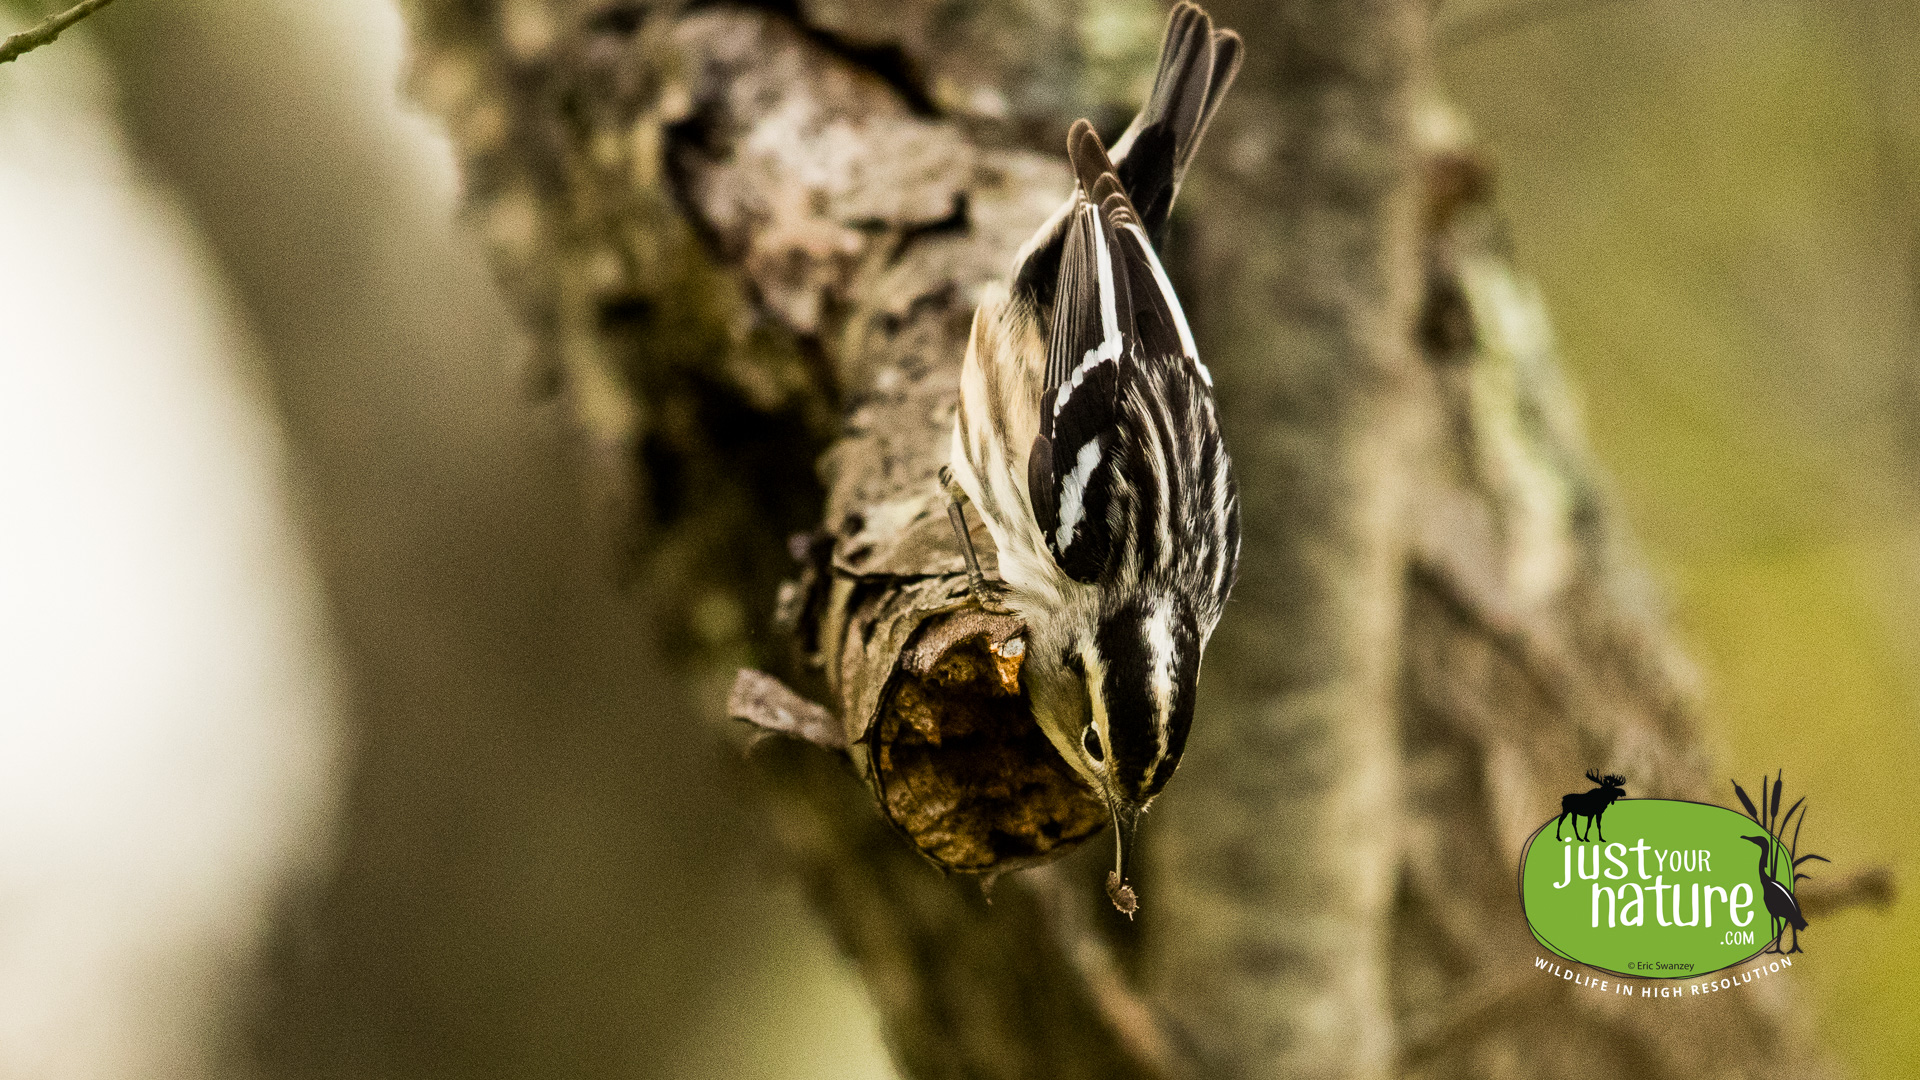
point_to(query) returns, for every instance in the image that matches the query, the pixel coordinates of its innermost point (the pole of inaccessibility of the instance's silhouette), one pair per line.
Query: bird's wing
(1115, 315)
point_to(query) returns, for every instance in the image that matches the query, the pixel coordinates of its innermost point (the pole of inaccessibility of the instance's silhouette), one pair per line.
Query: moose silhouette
(1590, 804)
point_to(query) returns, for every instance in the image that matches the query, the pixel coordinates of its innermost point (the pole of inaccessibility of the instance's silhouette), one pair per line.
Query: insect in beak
(1126, 821)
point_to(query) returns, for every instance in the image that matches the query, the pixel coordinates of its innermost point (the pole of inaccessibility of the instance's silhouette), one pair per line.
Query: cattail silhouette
(1779, 899)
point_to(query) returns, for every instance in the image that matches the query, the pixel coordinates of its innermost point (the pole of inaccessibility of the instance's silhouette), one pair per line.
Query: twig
(50, 28)
(765, 702)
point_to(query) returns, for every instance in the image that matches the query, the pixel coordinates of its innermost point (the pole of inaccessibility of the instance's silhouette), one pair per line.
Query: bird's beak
(1126, 821)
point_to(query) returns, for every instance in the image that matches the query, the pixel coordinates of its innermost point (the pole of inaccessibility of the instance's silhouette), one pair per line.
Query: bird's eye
(1091, 739)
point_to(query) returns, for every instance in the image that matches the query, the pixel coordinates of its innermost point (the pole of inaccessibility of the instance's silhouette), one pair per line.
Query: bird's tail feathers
(1197, 64)
(1097, 175)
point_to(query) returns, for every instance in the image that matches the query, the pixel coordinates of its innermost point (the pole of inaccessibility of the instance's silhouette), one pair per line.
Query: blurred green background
(1720, 202)
(540, 868)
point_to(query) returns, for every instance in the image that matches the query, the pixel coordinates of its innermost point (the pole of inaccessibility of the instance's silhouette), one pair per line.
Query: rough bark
(747, 239)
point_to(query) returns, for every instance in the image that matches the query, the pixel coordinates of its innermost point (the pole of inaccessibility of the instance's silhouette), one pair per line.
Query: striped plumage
(1087, 440)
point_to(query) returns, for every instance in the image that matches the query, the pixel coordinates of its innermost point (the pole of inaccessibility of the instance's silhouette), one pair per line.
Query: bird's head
(1113, 689)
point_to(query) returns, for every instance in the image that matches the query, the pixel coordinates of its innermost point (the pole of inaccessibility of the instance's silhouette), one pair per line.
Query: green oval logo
(1654, 888)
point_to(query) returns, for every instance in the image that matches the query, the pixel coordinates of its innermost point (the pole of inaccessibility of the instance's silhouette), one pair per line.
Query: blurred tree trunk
(473, 912)
(746, 238)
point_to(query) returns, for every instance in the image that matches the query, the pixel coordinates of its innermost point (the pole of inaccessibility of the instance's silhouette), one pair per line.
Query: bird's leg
(986, 592)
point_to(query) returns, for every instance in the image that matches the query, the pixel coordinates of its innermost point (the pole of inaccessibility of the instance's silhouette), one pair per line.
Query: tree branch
(47, 29)
(746, 240)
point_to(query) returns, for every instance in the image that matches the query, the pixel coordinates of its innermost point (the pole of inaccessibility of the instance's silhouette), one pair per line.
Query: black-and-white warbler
(1087, 439)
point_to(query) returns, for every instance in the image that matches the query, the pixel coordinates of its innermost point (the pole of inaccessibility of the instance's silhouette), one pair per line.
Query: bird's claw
(990, 594)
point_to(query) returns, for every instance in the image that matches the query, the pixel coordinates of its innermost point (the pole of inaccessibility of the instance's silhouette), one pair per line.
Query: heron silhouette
(1780, 902)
